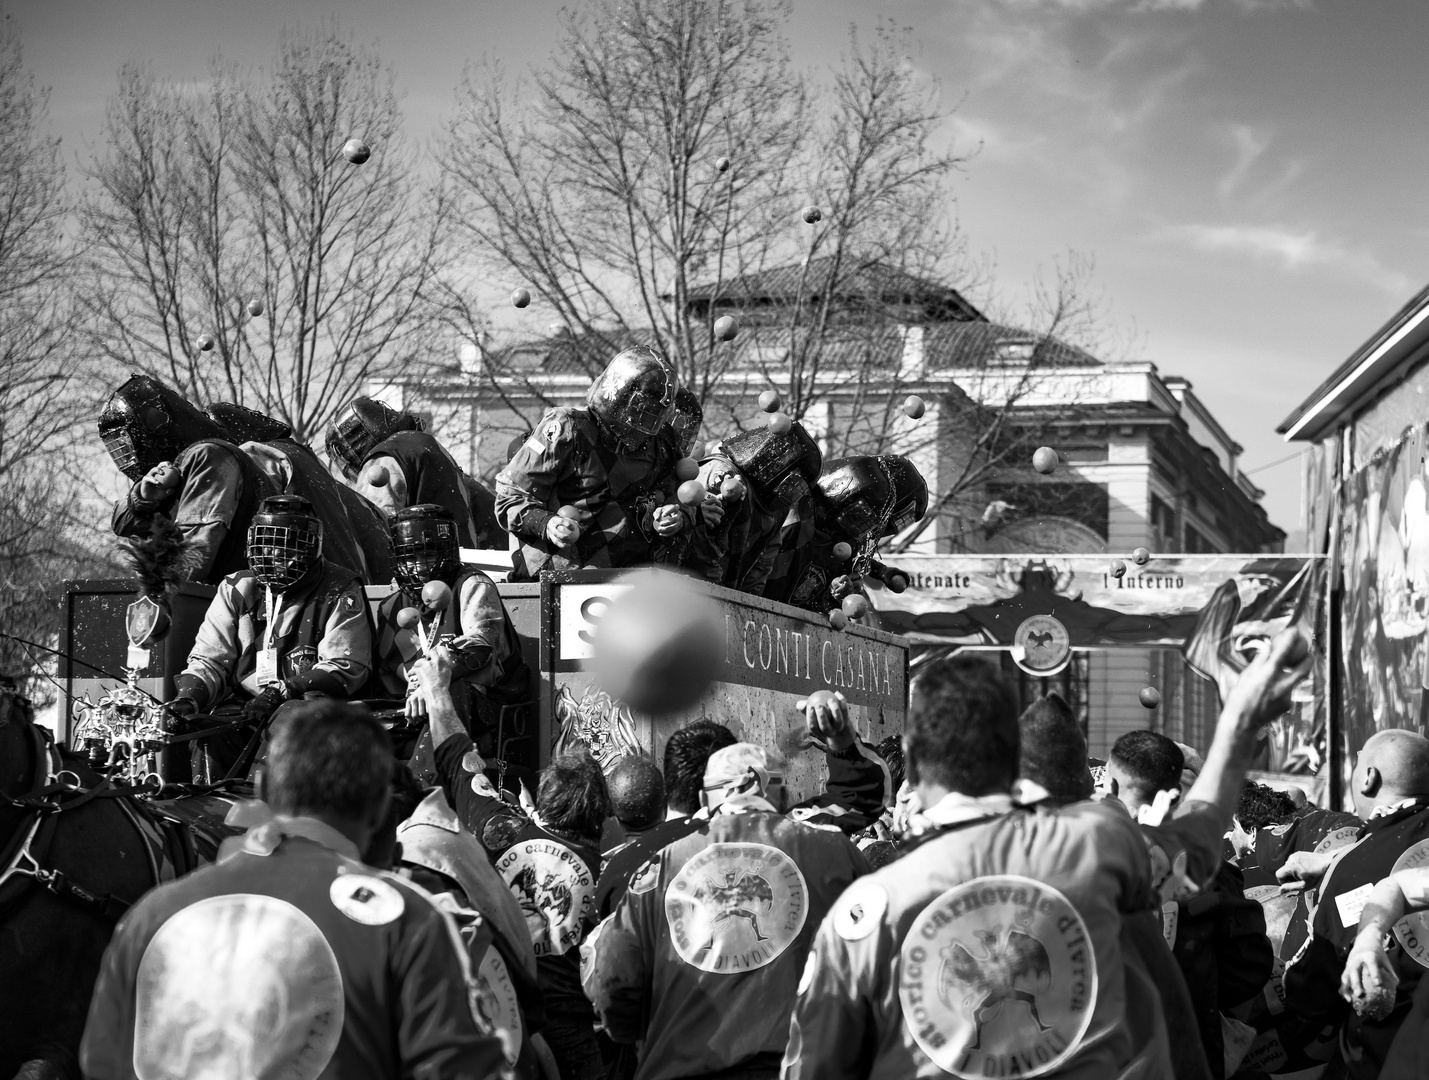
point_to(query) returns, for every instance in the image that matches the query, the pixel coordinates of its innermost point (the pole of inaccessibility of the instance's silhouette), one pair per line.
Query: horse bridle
(26, 854)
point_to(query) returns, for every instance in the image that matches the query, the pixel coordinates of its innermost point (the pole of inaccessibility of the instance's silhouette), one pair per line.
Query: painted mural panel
(1385, 545)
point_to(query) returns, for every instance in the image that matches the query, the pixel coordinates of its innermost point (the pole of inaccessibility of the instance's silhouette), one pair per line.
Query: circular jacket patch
(1337, 839)
(998, 978)
(237, 985)
(496, 1002)
(365, 899)
(1412, 931)
(555, 889)
(859, 910)
(736, 907)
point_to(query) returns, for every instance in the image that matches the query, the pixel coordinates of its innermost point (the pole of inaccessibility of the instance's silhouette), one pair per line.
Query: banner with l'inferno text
(983, 600)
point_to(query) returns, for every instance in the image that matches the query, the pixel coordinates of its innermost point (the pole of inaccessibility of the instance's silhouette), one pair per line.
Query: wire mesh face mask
(282, 547)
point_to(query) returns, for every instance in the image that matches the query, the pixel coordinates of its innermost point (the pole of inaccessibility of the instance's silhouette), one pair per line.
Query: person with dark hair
(1261, 807)
(550, 861)
(687, 751)
(1018, 911)
(1141, 766)
(1217, 935)
(637, 794)
(446, 860)
(612, 463)
(290, 956)
(1054, 757)
(292, 625)
(702, 958)
(1053, 750)
(183, 467)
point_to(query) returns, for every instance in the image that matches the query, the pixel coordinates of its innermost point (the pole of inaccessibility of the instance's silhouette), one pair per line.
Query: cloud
(992, 141)
(1293, 250)
(1249, 146)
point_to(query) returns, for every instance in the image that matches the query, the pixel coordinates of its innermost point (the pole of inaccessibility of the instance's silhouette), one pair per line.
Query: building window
(1199, 544)
(1163, 526)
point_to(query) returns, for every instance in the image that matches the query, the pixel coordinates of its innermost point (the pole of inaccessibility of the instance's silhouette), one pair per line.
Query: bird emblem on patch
(1041, 645)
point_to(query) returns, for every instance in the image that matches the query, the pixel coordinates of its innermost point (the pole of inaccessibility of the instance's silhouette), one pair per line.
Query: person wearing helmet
(390, 460)
(757, 477)
(475, 626)
(612, 462)
(184, 467)
(354, 531)
(291, 625)
(857, 501)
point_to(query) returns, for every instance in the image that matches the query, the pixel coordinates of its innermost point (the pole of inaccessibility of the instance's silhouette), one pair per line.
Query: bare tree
(39, 400)
(597, 183)
(606, 194)
(206, 201)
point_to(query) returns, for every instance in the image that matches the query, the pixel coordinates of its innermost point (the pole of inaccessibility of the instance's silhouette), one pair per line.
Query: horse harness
(25, 856)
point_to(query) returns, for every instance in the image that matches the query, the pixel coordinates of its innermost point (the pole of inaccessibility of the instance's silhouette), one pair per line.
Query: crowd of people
(975, 898)
(978, 898)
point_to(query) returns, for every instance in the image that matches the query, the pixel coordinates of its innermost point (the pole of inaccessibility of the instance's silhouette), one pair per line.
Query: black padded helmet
(910, 493)
(424, 546)
(858, 497)
(144, 423)
(247, 425)
(634, 397)
(357, 430)
(285, 541)
(780, 467)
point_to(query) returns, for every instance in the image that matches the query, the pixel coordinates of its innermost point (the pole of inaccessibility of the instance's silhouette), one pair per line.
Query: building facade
(1143, 461)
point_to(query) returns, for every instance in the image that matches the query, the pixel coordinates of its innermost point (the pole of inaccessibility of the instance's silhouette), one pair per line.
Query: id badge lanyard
(268, 655)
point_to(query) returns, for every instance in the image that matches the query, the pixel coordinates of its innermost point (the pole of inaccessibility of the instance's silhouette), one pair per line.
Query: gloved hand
(182, 706)
(265, 704)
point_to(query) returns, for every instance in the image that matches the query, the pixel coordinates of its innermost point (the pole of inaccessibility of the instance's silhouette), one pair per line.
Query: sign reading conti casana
(973, 599)
(767, 646)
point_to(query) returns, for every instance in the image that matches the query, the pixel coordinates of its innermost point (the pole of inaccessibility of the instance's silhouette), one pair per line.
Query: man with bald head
(637, 798)
(1390, 787)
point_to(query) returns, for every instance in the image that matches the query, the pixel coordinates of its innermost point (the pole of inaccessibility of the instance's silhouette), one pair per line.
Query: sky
(1247, 175)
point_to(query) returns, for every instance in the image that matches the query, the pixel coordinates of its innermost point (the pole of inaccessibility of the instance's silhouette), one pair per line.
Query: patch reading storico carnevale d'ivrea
(736, 907)
(998, 978)
(237, 985)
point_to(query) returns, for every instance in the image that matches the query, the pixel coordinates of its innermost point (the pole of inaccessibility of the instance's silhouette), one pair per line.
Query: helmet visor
(120, 444)
(425, 551)
(857, 519)
(792, 488)
(279, 555)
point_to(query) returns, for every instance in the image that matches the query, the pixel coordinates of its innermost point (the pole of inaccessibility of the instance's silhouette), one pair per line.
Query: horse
(76, 851)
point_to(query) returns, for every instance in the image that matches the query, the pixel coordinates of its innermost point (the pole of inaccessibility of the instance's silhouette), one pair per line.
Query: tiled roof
(946, 345)
(863, 282)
